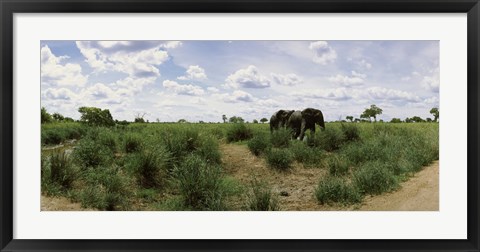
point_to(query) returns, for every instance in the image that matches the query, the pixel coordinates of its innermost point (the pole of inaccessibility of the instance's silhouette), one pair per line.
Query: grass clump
(150, 167)
(132, 143)
(261, 198)
(279, 159)
(307, 155)
(350, 132)
(91, 153)
(374, 178)
(281, 138)
(258, 144)
(337, 165)
(238, 132)
(57, 173)
(107, 188)
(199, 184)
(337, 190)
(209, 150)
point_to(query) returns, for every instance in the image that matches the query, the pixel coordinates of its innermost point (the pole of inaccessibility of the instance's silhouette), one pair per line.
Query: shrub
(62, 171)
(306, 155)
(132, 143)
(337, 165)
(238, 132)
(150, 167)
(258, 144)
(330, 139)
(89, 153)
(107, 138)
(199, 183)
(280, 159)
(261, 198)
(107, 188)
(52, 136)
(351, 132)
(375, 178)
(209, 150)
(333, 189)
(281, 138)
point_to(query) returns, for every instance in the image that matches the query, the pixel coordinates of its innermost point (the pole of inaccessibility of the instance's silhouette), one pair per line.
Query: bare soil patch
(60, 204)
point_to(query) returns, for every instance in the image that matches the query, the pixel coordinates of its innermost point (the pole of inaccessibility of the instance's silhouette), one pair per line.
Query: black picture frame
(9, 7)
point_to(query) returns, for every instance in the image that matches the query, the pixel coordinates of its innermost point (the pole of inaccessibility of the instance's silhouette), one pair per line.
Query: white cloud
(432, 82)
(236, 96)
(432, 101)
(287, 79)
(194, 73)
(330, 94)
(59, 94)
(270, 103)
(363, 63)
(110, 44)
(183, 89)
(324, 54)
(172, 44)
(55, 73)
(100, 92)
(247, 78)
(381, 93)
(135, 63)
(213, 89)
(356, 79)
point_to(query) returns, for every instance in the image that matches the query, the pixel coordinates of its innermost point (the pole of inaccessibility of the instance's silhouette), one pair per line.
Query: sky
(202, 80)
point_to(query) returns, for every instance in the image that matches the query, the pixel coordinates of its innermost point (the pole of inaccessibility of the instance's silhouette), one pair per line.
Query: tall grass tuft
(333, 189)
(337, 165)
(239, 132)
(199, 184)
(261, 198)
(279, 159)
(259, 144)
(374, 178)
(309, 156)
(281, 138)
(150, 167)
(132, 143)
(351, 132)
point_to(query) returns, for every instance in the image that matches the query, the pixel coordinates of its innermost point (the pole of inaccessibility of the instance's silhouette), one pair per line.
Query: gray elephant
(300, 121)
(279, 119)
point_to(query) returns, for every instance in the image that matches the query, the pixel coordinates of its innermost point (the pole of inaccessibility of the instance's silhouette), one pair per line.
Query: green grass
(262, 198)
(259, 144)
(238, 132)
(337, 190)
(279, 159)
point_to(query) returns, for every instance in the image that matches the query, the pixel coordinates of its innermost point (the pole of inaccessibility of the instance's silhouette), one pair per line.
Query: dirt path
(418, 193)
(60, 204)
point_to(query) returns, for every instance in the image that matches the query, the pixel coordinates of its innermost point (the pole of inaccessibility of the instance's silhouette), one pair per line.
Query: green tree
(350, 118)
(45, 116)
(395, 120)
(139, 118)
(417, 119)
(236, 119)
(96, 117)
(436, 114)
(58, 117)
(264, 120)
(182, 121)
(224, 118)
(255, 121)
(373, 111)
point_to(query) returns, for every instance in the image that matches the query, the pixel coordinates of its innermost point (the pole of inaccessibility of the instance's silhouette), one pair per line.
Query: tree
(45, 116)
(395, 120)
(373, 111)
(58, 117)
(429, 119)
(255, 121)
(96, 116)
(182, 121)
(436, 114)
(264, 120)
(417, 119)
(236, 119)
(139, 118)
(350, 118)
(224, 118)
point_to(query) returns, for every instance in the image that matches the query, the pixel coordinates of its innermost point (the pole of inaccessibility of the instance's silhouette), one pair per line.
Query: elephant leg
(302, 130)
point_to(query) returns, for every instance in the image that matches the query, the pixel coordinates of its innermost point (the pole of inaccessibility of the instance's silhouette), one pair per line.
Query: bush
(107, 138)
(53, 137)
(306, 155)
(107, 188)
(132, 143)
(281, 138)
(351, 132)
(150, 167)
(209, 150)
(199, 183)
(89, 153)
(262, 198)
(238, 132)
(57, 173)
(258, 144)
(333, 189)
(375, 178)
(330, 139)
(337, 165)
(280, 159)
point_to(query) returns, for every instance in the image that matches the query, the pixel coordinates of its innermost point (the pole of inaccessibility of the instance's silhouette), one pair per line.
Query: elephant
(300, 121)
(279, 119)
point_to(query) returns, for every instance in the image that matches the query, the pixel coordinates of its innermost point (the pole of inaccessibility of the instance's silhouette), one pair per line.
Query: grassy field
(160, 166)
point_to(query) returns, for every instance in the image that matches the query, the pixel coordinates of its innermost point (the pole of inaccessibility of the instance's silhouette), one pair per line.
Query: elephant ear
(307, 113)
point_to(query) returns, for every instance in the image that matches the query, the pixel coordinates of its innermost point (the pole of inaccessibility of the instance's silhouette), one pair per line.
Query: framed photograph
(257, 126)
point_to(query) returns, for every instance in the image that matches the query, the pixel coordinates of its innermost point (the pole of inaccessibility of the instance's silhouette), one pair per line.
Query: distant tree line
(373, 111)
